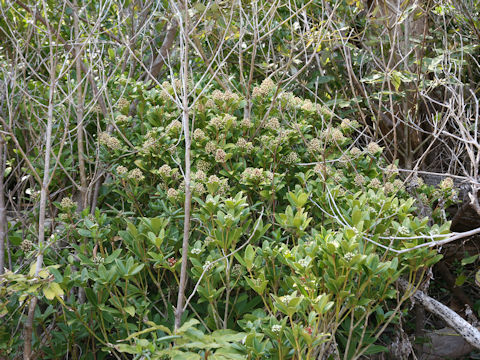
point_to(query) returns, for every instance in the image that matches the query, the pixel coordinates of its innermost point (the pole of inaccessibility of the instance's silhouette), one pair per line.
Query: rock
(445, 344)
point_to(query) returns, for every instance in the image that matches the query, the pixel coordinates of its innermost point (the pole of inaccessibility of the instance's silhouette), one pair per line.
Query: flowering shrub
(295, 245)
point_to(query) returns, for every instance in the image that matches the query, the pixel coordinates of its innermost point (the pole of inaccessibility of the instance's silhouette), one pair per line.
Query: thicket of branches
(101, 104)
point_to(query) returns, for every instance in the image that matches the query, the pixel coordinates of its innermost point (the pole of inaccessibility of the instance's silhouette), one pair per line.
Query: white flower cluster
(174, 127)
(122, 103)
(199, 175)
(416, 181)
(359, 180)
(291, 100)
(373, 148)
(245, 145)
(348, 256)
(203, 165)
(321, 169)
(26, 245)
(308, 106)
(218, 122)
(226, 96)
(220, 156)
(237, 270)
(254, 175)
(334, 135)
(199, 135)
(315, 145)
(172, 193)
(403, 230)
(148, 145)
(392, 169)
(211, 147)
(446, 183)
(276, 329)
(375, 183)
(199, 188)
(109, 141)
(292, 158)
(222, 183)
(121, 119)
(398, 184)
(354, 151)
(209, 240)
(303, 262)
(98, 260)
(346, 123)
(264, 89)
(136, 174)
(272, 124)
(165, 170)
(269, 142)
(246, 123)
(229, 217)
(67, 203)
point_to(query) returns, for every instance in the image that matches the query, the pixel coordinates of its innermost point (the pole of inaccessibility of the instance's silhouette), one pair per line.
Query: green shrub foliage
(293, 251)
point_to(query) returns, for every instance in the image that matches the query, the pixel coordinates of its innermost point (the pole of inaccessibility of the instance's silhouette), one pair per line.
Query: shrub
(293, 245)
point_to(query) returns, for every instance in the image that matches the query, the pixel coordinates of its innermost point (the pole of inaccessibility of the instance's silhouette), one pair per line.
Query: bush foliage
(233, 179)
(295, 246)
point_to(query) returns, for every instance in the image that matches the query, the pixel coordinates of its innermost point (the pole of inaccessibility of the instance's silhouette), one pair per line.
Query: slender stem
(228, 290)
(299, 351)
(188, 195)
(80, 139)
(3, 213)
(28, 330)
(79, 113)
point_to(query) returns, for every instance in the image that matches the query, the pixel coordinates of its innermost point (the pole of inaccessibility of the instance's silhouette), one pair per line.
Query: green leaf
(111, 54)
(157, 224)
(190, 323)
(258, 285)
(155, 327)
(56, 273)
(136, 270)
(110, 258)
(33, 267)
(125, 348)
(52, 290)
(396, 80)
(180, 355)
(469, 260)
(132, 229)
(460, 280)
(249, 257)
(84, 233)
(130, 310)
(375, 349)
(356, 216)
(49, 293)
(91, 296)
